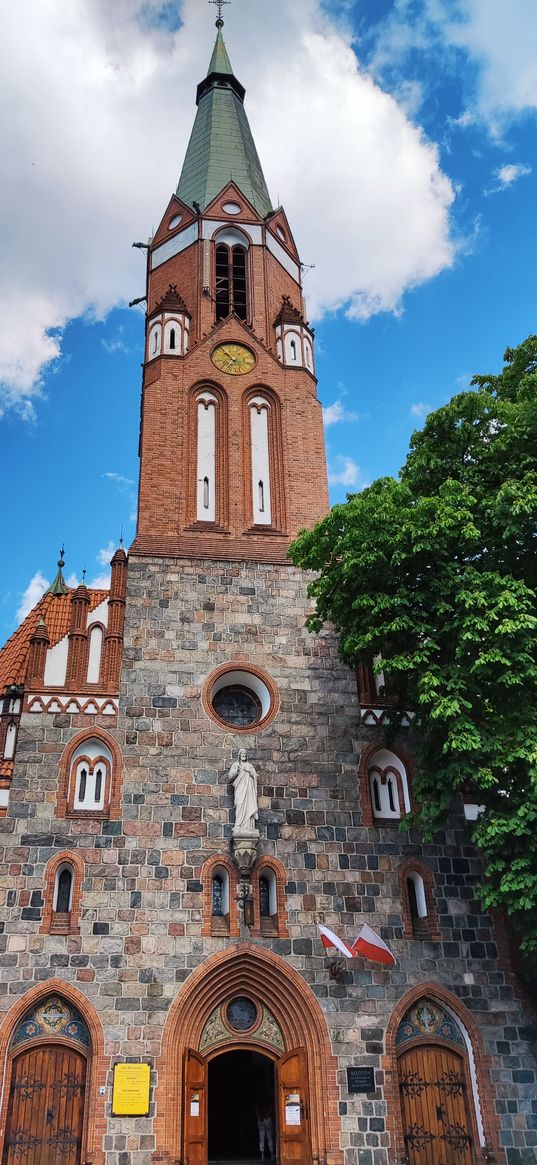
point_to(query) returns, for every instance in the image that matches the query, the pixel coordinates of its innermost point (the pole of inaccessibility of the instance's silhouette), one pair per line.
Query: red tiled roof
(6, 768)
(55, 610)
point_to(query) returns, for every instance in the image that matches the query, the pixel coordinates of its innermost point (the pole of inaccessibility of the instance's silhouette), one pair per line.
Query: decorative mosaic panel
(428, 1019)
(54, 1017)
(217, 1031)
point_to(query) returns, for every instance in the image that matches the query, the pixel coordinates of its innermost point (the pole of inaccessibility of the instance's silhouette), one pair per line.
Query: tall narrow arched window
(220, 900)
(268, 902)
(63, 890)
(260, 452)
(417, 895)
(231, 268)
(206, 405)
(62, 894)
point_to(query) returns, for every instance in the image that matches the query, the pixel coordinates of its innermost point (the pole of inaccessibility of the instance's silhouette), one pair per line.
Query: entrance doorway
(241, 1093)
(46, 1107)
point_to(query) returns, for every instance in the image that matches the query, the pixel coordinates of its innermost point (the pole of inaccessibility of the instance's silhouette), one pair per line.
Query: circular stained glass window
(237, 706)
(241, 1013)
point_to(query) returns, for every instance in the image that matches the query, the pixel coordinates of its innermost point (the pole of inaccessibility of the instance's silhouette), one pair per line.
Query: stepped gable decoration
(289, 314)
(171, 302)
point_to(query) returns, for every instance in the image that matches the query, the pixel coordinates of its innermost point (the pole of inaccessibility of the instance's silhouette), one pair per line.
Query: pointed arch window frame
(221, 485)
(254, 398)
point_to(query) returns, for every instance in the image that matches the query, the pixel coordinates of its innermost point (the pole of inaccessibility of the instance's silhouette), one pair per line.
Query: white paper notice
(292, 1108)
(194, 1106)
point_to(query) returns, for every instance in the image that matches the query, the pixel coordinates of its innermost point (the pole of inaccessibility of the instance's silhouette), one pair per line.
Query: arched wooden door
(46, 1107)
(436, 1107)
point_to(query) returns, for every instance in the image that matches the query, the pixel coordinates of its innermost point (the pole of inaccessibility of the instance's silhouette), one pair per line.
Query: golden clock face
(233, 358)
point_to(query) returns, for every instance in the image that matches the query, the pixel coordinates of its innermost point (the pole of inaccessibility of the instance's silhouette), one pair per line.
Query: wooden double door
(45, 1117)
(292, 1109)
(437, 1108)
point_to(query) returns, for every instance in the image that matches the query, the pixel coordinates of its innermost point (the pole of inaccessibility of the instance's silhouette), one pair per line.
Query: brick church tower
(191, 782)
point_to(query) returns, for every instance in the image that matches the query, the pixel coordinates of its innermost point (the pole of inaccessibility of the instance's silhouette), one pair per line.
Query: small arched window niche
(417, 895)
(220, 914)
(265, 454)
(63, 888)
(232, 283)
(89, 777)
(268, 881)
(385, 787)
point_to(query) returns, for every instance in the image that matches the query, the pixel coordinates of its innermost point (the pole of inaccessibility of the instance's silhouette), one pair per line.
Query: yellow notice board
(130, 1095)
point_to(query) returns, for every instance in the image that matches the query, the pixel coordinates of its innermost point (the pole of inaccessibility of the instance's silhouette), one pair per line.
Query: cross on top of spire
(219, 5)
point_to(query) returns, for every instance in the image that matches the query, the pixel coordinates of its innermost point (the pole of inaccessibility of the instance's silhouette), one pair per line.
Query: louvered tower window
(231, 282)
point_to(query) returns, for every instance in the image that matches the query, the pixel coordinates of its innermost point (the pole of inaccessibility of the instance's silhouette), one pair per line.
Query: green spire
(220, 62)
(221, 145)
(59, 586)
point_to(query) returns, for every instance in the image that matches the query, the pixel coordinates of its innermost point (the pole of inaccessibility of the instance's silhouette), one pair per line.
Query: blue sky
(419, 128)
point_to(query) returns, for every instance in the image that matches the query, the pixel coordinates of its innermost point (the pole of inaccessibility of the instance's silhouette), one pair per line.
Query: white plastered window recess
(260, 454)
(90, 777)
(206, 405)
(388, 778)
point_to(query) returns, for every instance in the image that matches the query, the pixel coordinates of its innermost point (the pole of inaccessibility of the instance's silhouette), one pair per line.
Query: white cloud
(335, 413)
(498, 38)
(33, 593)
(502, 39)
(90, 160)
(420, 409)
(343, 471)
(123, 483)
(508, 174)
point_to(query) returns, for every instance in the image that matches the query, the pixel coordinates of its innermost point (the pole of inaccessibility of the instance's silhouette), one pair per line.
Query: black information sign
(361, 1079)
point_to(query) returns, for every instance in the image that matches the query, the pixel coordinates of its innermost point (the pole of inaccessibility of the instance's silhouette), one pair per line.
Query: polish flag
(370, 946)
(329, 939)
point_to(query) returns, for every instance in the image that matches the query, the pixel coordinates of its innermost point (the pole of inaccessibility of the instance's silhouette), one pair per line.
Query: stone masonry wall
(142, 896)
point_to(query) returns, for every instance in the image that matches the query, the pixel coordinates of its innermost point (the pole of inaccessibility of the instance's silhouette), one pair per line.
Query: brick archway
(95, 1119)
(482, 1062)
(243, 969)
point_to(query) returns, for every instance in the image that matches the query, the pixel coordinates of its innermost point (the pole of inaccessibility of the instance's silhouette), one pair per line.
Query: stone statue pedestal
(244, 847)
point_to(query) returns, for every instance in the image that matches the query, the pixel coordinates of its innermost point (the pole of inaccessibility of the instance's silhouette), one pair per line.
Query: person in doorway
(265, 1127)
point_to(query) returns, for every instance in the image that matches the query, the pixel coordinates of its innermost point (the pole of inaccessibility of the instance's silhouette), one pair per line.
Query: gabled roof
(55, 611)
(221, 145)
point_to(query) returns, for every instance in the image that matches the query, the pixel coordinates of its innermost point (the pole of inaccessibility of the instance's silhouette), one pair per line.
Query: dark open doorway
(241, 1094)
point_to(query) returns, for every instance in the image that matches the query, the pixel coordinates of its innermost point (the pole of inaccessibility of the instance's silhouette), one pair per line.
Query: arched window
(62, 894)
(173, 337)
(231, 280)
(90, 778)
(417, 893)
(220, 907)
(63, 891)
(155, 341)
(220, 900)
(259, 409)
(388, 787)
(268, 902)
(206, 405)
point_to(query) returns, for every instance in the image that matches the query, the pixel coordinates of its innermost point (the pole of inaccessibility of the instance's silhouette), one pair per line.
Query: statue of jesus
(243, 777)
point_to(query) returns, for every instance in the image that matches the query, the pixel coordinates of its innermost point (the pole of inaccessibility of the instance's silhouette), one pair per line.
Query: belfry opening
(241, 1107)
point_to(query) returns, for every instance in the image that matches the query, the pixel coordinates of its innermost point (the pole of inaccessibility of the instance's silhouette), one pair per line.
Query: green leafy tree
(437, 571)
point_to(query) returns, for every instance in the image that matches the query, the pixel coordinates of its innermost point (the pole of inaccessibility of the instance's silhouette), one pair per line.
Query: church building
(191, 783)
